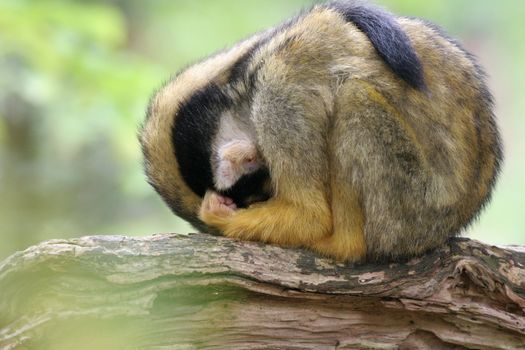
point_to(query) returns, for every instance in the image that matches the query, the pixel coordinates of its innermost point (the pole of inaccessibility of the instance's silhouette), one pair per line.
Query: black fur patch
(391, 43)
(249, 189)
(195, 125)
(240, 67)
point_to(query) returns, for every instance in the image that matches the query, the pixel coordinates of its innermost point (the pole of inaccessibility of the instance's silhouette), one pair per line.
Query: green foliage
(72, 94)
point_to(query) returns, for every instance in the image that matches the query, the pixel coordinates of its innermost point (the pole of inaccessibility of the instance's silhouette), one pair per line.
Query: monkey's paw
(216, 205)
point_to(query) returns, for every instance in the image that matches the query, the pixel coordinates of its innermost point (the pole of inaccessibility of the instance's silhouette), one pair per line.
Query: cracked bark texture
(206, 292)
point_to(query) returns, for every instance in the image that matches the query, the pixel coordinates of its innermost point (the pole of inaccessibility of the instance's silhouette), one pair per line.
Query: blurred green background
(75, 78)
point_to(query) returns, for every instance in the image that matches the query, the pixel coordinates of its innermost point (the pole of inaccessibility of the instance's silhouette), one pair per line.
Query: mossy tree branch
(206, 292)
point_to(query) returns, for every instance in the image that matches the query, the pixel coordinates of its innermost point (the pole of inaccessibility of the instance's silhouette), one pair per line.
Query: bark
(206, 292)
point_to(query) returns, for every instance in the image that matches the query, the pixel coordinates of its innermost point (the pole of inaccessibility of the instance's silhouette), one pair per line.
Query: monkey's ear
(391, 43)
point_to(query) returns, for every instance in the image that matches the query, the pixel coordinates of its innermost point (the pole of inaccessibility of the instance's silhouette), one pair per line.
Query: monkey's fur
(377, 133)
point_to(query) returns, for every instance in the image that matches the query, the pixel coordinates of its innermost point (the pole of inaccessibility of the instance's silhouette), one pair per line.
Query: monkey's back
(423, 158)
(457, 152)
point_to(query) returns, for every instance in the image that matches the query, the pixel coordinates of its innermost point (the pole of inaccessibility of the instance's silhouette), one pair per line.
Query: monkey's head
(239, 171)
(178, 138)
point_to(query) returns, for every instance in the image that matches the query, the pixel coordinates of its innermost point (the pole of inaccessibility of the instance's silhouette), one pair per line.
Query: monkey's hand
(216, 209)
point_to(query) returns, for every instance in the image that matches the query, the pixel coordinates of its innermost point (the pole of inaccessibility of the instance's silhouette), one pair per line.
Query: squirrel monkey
(345, 130)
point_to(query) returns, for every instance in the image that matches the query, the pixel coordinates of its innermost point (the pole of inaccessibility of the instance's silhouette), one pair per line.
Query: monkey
(374, 136)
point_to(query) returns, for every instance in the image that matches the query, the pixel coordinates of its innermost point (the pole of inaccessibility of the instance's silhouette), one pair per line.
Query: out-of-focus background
(75, 78)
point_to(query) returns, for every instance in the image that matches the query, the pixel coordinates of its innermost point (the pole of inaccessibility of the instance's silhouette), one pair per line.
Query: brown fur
(361, 163)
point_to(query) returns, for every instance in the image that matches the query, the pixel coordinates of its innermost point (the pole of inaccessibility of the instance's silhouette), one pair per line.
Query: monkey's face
(240, 172)
(235, 159)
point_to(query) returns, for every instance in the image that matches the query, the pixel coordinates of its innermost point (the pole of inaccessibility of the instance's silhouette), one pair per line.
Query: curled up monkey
(345, 130)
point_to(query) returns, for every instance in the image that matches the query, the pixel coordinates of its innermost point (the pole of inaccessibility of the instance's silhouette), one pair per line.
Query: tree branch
(206, 292)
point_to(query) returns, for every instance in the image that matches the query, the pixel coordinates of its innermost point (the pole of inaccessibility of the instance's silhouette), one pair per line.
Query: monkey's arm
(276, 221)
(293, 137)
